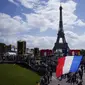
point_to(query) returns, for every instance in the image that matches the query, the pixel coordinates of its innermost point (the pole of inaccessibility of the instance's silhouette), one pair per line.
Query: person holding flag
(67, 64)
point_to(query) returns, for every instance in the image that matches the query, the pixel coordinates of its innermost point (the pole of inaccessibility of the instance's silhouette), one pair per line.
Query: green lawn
(12, 74)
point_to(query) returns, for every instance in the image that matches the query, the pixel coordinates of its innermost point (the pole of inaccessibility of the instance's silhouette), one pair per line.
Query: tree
(82, 52)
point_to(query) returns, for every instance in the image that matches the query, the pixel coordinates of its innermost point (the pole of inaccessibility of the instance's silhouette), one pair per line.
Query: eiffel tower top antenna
(61, 20)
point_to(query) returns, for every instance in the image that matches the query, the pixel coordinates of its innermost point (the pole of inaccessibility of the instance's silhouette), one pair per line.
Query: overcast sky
(37, 22)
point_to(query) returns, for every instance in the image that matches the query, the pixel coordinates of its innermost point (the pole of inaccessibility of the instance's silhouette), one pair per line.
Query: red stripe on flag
(59, 67)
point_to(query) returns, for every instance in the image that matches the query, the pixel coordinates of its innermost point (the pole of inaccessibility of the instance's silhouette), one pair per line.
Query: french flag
(67, 64)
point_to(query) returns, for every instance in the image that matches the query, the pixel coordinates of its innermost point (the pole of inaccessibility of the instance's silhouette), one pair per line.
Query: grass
(12, 74)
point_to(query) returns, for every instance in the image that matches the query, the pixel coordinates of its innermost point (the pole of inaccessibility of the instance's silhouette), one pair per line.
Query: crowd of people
(74, 77)
(42, 67)
(11, 58)
(46, 67)
(46, 78)
(71, 77)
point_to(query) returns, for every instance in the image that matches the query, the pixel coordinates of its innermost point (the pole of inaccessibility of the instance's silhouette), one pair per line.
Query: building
(36, 52)
(8, 48)
(2, 48)
(21, 47)
(46, 52)
(61, 36)
(74, 52)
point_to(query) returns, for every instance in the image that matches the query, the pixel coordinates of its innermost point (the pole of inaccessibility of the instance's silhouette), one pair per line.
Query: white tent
(11, 53)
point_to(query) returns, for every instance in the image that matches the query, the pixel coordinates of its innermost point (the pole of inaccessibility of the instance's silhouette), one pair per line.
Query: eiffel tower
(58, 45)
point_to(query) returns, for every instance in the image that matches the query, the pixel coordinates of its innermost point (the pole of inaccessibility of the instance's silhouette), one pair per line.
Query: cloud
(12, 1)
(71, 34)
(37, 21)
(12, 25)
(46, 42)
(45, 16)
(80, 23)
(75, 41)
(29, 3)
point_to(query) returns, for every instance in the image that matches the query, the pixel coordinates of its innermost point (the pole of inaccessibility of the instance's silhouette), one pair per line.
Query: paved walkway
(55, 81)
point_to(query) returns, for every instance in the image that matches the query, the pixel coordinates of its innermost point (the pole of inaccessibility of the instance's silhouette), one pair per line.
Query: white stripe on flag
(67, 64)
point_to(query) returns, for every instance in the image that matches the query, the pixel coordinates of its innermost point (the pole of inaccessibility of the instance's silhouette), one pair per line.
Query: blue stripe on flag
(75, 63)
